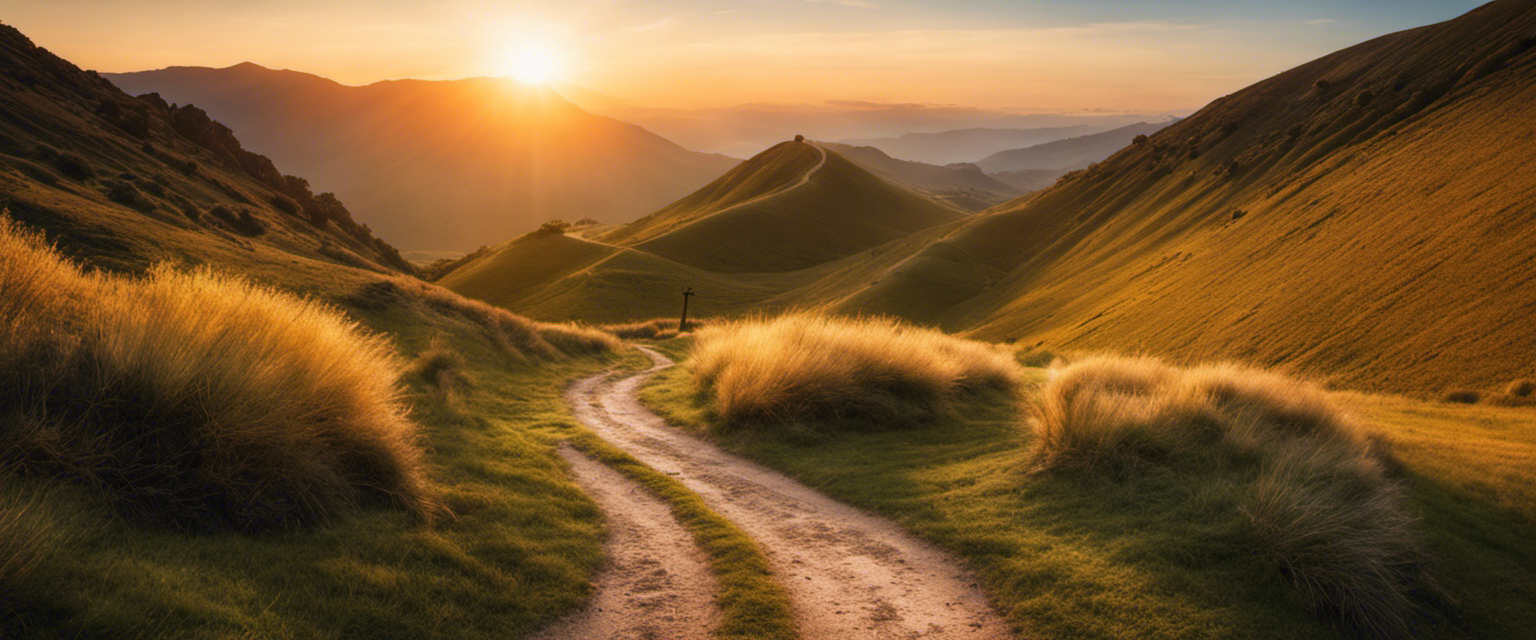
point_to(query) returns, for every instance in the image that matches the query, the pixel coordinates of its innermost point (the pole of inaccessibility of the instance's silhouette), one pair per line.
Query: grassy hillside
(1132, 498)
(754, 239)
(841, 210)
(254, 426)
(443, 165)
(1363, 216)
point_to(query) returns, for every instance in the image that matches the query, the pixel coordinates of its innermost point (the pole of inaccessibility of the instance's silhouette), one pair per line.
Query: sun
(533, 64)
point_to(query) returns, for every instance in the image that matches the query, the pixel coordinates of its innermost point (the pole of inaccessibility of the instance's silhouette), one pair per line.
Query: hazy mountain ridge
(442, 165)
(962, 185)
(1069, 153)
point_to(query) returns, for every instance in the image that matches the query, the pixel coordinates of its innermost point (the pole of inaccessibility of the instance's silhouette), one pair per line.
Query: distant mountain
(443, 165)
(966, 145)
(1071, 153)
(747, 129)
(778, 219)
(124, 182)
(962, 185)
(1028, 180)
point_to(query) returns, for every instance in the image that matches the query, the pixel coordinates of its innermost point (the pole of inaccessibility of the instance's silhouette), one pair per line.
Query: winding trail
(656, 583)
(850, 575)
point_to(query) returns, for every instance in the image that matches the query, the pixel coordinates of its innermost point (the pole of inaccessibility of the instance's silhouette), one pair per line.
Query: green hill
(753, 239)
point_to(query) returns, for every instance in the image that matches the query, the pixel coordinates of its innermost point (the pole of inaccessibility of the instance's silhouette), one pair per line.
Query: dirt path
(850, 575)
(656, 584)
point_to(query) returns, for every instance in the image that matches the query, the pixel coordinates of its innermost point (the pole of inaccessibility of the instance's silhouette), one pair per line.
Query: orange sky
(1147, 56)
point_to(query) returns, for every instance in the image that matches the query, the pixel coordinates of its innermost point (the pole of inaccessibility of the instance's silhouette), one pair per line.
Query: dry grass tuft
(1462, 396)
(657, 329)
(26, 538)
(1317, 492)
(198, 399)
(871, 373)
(442, 369)
(1521, 389)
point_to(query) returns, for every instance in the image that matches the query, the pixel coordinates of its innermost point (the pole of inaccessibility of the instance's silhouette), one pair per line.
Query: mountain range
(442, 165)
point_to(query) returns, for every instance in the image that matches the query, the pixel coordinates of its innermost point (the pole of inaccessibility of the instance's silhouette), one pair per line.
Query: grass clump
(1313, 486)
(657, 329)
(862, 374)
(197, 399)
(1462, 396)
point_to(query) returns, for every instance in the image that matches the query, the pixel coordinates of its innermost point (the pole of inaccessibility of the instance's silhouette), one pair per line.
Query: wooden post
(682, 325)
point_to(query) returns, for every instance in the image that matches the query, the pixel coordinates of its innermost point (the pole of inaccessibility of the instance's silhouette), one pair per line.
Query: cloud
(857, 4)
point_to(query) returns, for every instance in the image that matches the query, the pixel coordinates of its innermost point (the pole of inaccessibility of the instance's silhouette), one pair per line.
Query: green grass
(521, 550)
(1153, 554)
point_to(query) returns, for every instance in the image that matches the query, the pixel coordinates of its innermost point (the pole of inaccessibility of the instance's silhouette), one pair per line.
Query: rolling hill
(783, 219)
(443, 165)
(1071, 153)
(1364, 217)
(964, 186)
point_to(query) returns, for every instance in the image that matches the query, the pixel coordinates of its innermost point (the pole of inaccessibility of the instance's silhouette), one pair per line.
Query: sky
(1030, 55)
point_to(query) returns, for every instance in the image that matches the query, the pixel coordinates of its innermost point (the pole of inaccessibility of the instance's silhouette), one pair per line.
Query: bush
(1461, 396)
(124, 193)
(867, 374)
(1521, 389)
(243, 223)
(442, 370)
(1312, 486)
(73, 166)
(198, 400)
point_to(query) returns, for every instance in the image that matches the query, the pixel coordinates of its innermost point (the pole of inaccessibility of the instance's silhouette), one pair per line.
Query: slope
(765, 235)
(443, 165)
(964, 186)
(1365, 217)
(1071, 153)
(836, 210)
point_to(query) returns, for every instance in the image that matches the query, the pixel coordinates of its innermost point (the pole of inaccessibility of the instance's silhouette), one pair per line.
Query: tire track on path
(850, 575)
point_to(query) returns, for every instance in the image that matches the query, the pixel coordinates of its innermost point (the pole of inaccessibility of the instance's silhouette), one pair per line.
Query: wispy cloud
(858, 4)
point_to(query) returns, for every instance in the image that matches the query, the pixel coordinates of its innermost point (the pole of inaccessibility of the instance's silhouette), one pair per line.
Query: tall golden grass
(655, 329)
(196, 398)
(867, 373)
(1317, 492)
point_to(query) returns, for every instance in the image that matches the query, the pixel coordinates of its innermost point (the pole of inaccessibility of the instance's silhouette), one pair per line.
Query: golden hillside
(1364, 216)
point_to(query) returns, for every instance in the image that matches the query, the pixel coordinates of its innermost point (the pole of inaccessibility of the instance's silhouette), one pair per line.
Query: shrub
(73, 166)
(124, 193)
(1140, 139)
(1312, 486)
(1461, 396)
(285, 204)
(1521, 389)
(243, 223)
(196, 399)
(442, 370)
(870, 374)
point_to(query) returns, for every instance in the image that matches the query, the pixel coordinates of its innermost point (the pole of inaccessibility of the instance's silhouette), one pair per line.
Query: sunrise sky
(1036, 55)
